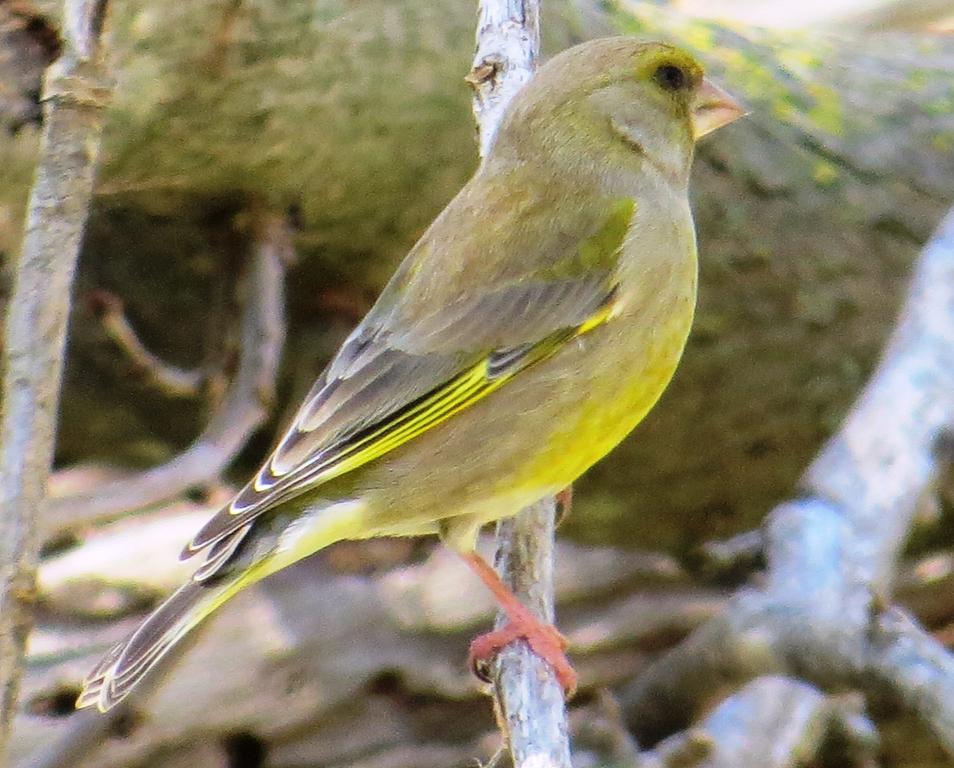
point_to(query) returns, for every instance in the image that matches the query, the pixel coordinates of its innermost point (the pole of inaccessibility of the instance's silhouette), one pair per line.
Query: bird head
(623, 99)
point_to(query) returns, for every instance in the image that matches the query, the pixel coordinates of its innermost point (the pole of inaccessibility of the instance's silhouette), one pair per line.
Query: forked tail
(129, 661)
(216, 581)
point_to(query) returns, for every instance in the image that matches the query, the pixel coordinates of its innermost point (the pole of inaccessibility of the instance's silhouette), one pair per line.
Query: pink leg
(543, 638)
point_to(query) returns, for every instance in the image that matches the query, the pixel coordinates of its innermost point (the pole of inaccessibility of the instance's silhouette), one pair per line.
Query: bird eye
(670, 77)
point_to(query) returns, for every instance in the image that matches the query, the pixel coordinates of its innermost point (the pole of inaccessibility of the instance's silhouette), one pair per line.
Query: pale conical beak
(712, 108)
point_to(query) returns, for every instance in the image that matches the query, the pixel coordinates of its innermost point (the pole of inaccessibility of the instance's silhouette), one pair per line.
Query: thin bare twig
(168, 378)
(530, 700)
(75, 93)
(831, 554)
(243, 409)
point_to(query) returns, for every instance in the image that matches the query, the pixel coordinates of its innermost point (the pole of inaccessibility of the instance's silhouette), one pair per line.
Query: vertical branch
(75, 93)
(530, 701)
(508, 45)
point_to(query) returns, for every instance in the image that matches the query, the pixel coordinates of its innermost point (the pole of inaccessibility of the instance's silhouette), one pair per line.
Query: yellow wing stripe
(460, 393)
(465, 390)
(604, 314)
(458, 387)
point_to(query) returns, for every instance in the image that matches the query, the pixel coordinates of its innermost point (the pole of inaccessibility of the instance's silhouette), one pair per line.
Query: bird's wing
(394, 379)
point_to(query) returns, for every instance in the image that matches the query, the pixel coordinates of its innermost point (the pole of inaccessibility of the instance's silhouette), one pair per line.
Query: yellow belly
(544, 429)
(615, 400)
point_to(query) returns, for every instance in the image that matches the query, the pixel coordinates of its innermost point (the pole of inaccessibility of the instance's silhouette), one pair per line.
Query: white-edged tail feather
(129, 661)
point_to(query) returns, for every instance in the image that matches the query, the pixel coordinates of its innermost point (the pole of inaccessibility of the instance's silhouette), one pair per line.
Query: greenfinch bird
(532, 326)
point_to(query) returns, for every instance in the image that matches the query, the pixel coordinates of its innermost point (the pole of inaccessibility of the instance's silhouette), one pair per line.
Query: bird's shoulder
(512, 226)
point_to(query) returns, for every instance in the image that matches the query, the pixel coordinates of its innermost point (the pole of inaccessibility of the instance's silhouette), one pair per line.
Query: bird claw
(544, 640)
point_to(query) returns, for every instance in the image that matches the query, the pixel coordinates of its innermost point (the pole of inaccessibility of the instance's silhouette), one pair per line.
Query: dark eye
(670, 77)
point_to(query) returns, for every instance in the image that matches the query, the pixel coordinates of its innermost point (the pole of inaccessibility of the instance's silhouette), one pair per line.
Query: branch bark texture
(530, 701)
(75, 94)
(508, 46)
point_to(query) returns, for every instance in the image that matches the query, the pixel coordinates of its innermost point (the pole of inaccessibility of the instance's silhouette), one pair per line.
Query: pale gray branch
(508, 45)
(530, 701)
(75, 93)
(884, 456)
(772, 722)
(86, 731)
(243, 409)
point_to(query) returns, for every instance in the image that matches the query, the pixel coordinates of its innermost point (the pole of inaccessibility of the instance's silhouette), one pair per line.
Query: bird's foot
(544, 640)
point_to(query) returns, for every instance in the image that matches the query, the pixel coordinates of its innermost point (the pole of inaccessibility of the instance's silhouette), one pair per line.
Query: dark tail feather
(129, 661)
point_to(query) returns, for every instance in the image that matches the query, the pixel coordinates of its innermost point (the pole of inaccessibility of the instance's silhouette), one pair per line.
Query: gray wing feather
(382, 369)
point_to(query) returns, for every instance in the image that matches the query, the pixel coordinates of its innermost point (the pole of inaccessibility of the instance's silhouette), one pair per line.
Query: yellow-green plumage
(529, 330)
